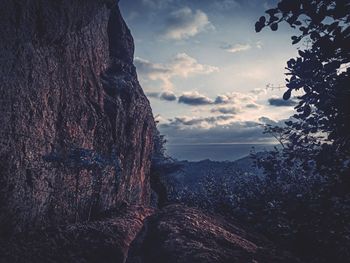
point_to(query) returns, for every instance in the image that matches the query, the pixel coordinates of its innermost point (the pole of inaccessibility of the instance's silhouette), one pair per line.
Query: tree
(321, 71)
(309, 176)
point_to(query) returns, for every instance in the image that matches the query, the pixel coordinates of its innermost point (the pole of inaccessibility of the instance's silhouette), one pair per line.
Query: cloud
(182, 65)
(280, 123)
(259, 91)
(259, 44)
(166, 95)
(225, 5)
(229, 103)
(156, 4)
(220, 129)
(235, 98)
(236, 48)
(266, 120)
(279, 102)
(253, 106)
(195, 99)
(240, 47)
(226, 110)
(198, 122)
(153, 94)
(154, 71)
(185, 23)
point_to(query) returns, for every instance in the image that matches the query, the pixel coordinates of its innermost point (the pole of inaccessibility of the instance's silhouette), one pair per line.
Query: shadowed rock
(182, 235)
(104, 240)
(68, 82)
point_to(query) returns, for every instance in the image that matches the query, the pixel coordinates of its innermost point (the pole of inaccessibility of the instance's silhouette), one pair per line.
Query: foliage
(308, 179)
(300, 212)
(321, 71)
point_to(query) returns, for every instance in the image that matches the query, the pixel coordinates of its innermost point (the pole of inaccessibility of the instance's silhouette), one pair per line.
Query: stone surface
(76, 128)
(178, 234)
(104, 240)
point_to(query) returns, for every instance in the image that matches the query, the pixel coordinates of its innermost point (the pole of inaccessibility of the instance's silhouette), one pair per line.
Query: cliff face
(76, 128)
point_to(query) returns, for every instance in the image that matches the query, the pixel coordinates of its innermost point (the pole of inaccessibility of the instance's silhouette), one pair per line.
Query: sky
(205, 70)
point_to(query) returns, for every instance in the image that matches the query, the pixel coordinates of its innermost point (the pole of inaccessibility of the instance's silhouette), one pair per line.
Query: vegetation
(303, 199)
(320, 129)
(306, 187)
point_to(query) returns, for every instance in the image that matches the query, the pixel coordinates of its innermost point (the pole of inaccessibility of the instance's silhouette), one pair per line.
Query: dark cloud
(165, 95)
(195, 99)
(217, 129)
(279, 102)
(266, 120)
(280, 123)
(168, 96)
(182, 132)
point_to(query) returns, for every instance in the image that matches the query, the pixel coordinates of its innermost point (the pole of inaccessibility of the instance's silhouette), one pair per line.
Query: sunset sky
(205, 70)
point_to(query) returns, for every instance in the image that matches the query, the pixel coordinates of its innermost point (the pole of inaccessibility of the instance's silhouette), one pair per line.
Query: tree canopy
(321, 71)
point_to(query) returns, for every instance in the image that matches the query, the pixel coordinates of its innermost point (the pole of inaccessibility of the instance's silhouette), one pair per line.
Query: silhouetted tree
(321, 71)
(309, 176)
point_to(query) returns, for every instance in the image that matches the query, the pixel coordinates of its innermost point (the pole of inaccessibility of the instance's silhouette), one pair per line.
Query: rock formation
(76, 133)
(186, 235)
(106, 240)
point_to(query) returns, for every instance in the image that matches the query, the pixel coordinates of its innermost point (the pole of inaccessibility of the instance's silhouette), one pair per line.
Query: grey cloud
(157, 3)
(266, 120)
(168, 96)
(146, 67)
(165, 95)
(194, 99)
(153, 94)
(182, 65)
(226, 4)
(197, 122)
(279, 102)
(253, 106)
(236, 47)
(236, 132)
(185, 23)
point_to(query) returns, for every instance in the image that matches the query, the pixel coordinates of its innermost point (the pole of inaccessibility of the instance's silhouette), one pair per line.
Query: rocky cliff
(76, 127)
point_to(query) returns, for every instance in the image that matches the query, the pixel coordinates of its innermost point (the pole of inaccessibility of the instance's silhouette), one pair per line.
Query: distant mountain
(189, 174)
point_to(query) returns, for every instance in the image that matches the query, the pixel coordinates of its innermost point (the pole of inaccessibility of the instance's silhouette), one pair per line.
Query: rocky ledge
(179, 234)
(133, 234)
